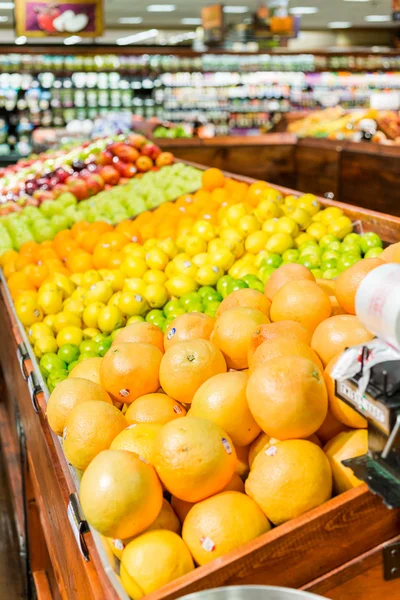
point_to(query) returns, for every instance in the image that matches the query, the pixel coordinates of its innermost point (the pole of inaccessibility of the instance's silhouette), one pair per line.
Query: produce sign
(213, 23)
(41, 19)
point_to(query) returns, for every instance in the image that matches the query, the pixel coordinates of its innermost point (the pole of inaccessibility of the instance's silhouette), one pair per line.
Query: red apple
(59, 189)
(109, 174)
(164, 159)
(95, 183)
(78, 187)
(42, 195)
(125, 152)
(136, 140)
(151, 150)
(125, 169)
(144, 163)
(104, 158)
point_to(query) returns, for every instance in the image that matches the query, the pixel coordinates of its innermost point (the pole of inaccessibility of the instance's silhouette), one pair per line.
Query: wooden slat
(42, 587)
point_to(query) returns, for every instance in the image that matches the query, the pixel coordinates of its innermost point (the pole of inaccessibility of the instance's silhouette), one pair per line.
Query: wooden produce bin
(335, 550)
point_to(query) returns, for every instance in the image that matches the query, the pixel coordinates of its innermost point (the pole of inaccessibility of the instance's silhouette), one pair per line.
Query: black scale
(380, 405)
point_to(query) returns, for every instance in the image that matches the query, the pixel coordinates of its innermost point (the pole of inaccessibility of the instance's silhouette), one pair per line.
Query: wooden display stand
(335, 550)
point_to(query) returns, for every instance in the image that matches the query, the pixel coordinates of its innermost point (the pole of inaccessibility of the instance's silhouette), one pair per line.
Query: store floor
(11, 585)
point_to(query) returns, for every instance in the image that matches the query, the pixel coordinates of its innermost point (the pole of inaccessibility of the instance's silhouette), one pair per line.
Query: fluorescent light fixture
(7, 5)
(235, 10)
(356, 0)
(182, 37)
(130, 20)
(3, 19)
(339, 25)
(378, 18)
(137, 37)
(191, 21)
(20, 40)
(161, 8)
(303, 10)
(72, 39)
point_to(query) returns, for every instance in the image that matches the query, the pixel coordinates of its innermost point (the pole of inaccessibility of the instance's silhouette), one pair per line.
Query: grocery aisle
(11, 585)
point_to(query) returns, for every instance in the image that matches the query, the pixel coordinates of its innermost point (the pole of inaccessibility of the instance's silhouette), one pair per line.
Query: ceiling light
(339, 25)
(72, 39)
(3, 19)
(130, 20)
(378, 18)
(190, 21)
(137, 37)
(161, 8)
(356, 0)
(7, 5)
(20, 40)
(235, 10)
(303, 10)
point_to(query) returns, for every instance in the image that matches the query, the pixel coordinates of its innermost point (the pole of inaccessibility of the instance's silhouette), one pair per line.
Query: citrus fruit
(222, 400)
(289, 479)
(347, 444)
(264, 441)
(346, 285)
(28, 311)
(391, 253)
(242, 462)
(67, 395)
(194, 458)
(287, 397)
(130, 370)
(138, 438)
(233, 331)
(219, 524)
(88, 369)
(212, 179)
(152, 560)
(189, 326)
(120, 494)
(39, 330)
(302, 301)
(154, 408)
(70, 335)
(167, 519)
(110, 318)
(337, 333)
(272, 331)
(339, 409)
(330, 427)
(90, 428)
(186, 365)
(245, 297)
(282, 346)
(147, 333)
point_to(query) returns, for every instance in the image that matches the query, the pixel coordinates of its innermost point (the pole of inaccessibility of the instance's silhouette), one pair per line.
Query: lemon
(134, 266)
(79, 294)
(44, 345)
(216, 244)
(110, 318)
(310, 203)
(115, 279)
(155, 276)
(91, 313)
(208, 275)
(235, 212)
(135, 284)
(179, 285)
(28, 311)
(340, 227)
(134, 250)
(90, 277)
(181, 241)
(302, 238)
(169, 270)
(90, 332)
(287, 225)
(100, 291)
(204, 229)
(272, 194)
(317, 230)
(183, 265)
(156, 295)
(222, 258)
(301, 217)
(235, 268)
(50, 301)
(65, 318)
(70, 335)
(232, 241)
(74, 306)
(201, 259)
(260, 257)
(247, 225)
(156, 259)
(39, 330)
(195, 244)
(279, 242)
(135, 319)
(63, 283)
(49, 321)
(291, 202)
(169, 247)
(267, 209)
(256, 241)
(132, 304)
(270, 226)
(330, 214)
(247, 269)
(150, 243)
(113, 301)
(76, 278)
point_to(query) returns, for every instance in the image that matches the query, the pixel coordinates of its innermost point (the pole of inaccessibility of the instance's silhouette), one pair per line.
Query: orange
(9, 268)
(102, 256)
(272, 331)
(79, 261)
(337, 333)
(346, 285)
(347, 444)
(340, 409)
(264, 441)
(45, 254)
(130, 370)
(282, 347)
(328, 285)
(154, 408)
(286, 273)
(120, 494)
(222, 400)
(187, 327)
(222, 523)
(89, 241)
(139, 438)
(63, 244)
(24, 260)
(19, 281)
(113, 240)
(233, 331)
(101, 227)
(67, 395)
(194, 458)
(37, 274)
(287, 397)
(212, 179)
(255, 192)
(80, 229)
(153, 560)
(10, 256)
(242, 463)
(302, 301)
(391, 253)
(245, 297)
(186, 365)
(147, 333)
(329, 428)
(90, 428)
(88, 369)
(289, 479)
(167, 519)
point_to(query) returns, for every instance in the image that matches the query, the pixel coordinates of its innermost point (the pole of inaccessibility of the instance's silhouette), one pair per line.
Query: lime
(370, 240)
(203, 291)
(99, 337)
(317, 273)
(195, 306)
(154, 314)
(265, 273)
(237, 284)
(212, 308)
(331, 273)
(223, 285)
(88, 346)
(55, 378)
(373, 252)
(211, 297)
(311, 250)
(329, 263)
(310, 261)
(330, 254)
(134, 319)
(72, 365)
(115, 333)
(170, 307)
(346, 261)
(189, 298)
(257, 285)
(328, 239)
(68, 353)
(250, 279)
(51, 362)
(167, 323)
(290, 256)
(86, 355)
(103, 346)
(352, 248)
(159, 321)
(353, 238)
(273, 260)
(176, 312)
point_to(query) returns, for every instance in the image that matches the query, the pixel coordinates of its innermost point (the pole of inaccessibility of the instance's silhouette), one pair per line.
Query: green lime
(329, 254)
(116, 332)
(290, 256)
(223, 284)
(257, 285)
(265, 273)
(171, 306)
(167, 323)
(204, 290)
(55, 378)
(103, 346)
(351, 248)
(86, 355)
(329, 263)
(194, 306)
(273, 260)
(250, 278)
(99, 337)
(311, 251)
(68, 353)
(212, 308)
(317, 273)
(335, 247)
(88, 346)
(175, 313)
(237, 284)
(310, 261)
(370, 240)
(211, 297)
(159, 322)
(72, 365)
(373, 252)
(352, 238)
(331, 273)
(188, 299)
(51, 362)
(154, 314)
(346, 261)
(328, 239)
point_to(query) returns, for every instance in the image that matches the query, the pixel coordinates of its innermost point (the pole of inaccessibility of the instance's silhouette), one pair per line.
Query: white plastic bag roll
(378, 303)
